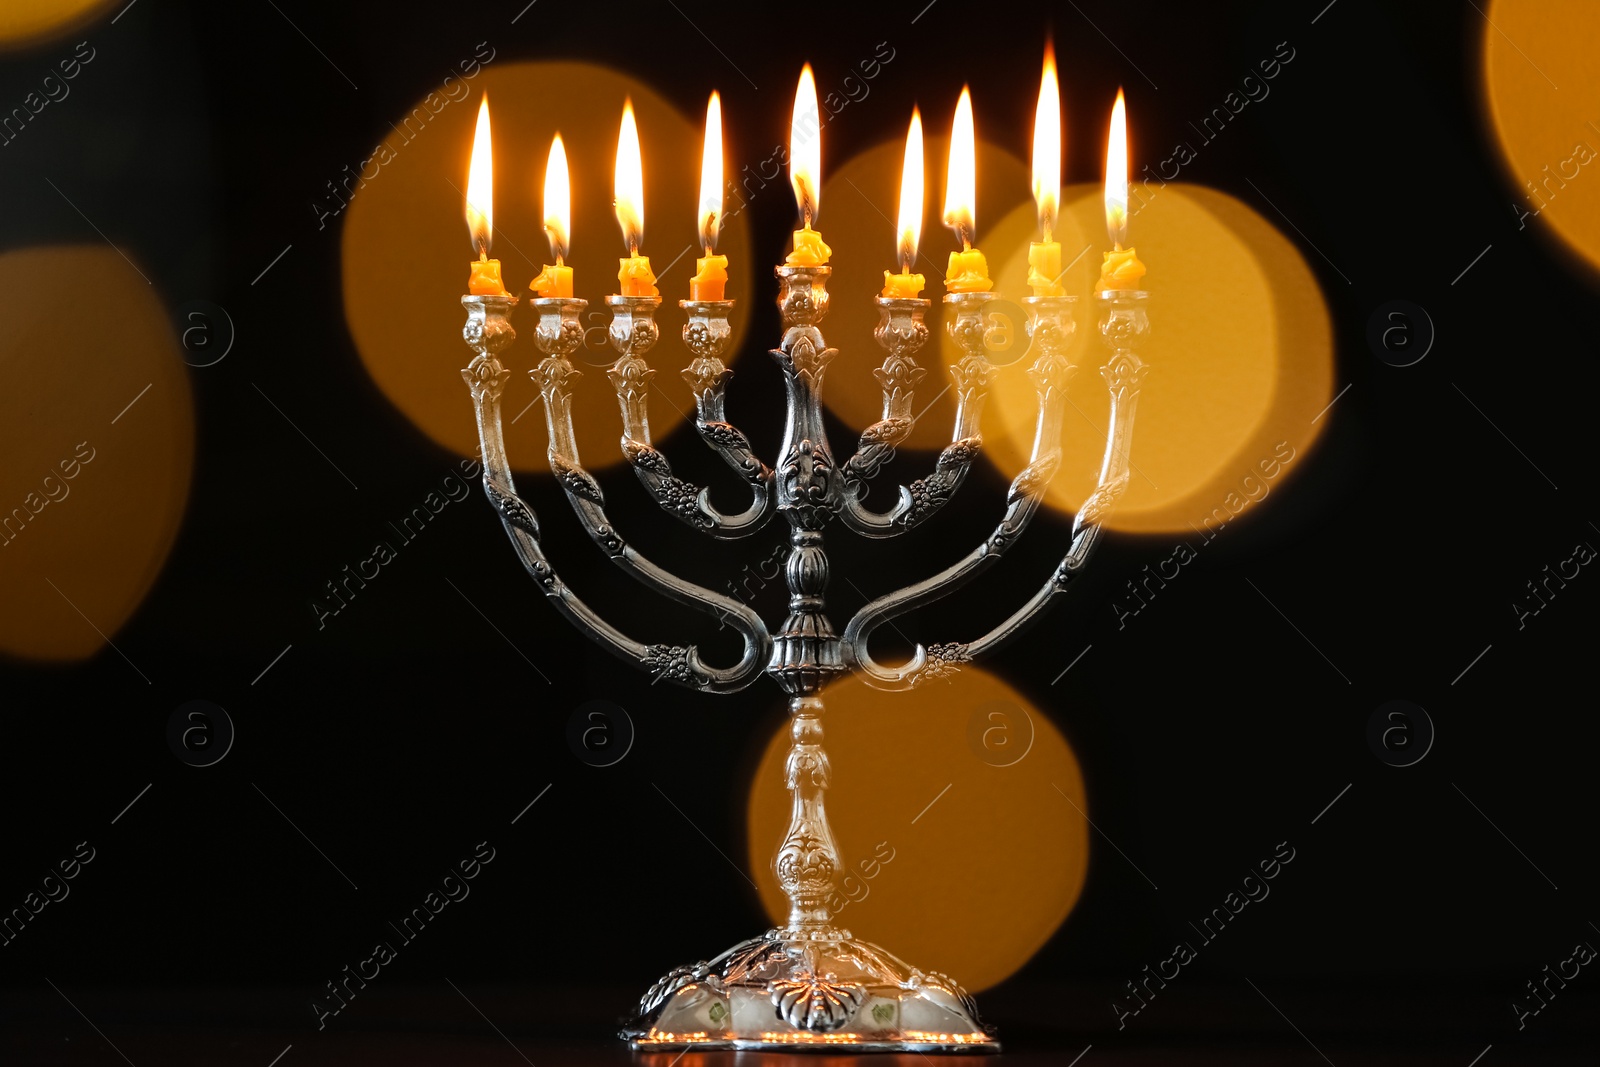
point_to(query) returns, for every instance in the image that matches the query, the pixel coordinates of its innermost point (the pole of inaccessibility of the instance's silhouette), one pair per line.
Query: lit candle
(628, 184)
(906, 284)
(1121, 269)
(805, 172)
(485, 278)
(968, 271)
(1044, 257)
(556, 280)
(711, 270)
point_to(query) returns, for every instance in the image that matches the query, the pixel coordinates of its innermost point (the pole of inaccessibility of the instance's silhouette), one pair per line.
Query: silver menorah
(808, 983)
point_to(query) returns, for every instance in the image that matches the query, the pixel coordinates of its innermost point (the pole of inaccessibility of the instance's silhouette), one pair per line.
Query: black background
(407, 730)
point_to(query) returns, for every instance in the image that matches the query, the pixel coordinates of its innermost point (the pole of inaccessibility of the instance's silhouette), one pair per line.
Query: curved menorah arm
(1124, 323)
(901, 332)
(633, 332)
(489, 332)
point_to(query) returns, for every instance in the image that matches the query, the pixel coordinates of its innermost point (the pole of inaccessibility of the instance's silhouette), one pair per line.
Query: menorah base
(808, 989)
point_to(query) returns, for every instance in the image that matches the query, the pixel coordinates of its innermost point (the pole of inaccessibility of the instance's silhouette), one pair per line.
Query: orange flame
(711, 176)
(1117, 175)
(1047, 145)
(480, 184)
(628, 182)
(960, 189)
(805, 147)
(911, 194)
(558, 200)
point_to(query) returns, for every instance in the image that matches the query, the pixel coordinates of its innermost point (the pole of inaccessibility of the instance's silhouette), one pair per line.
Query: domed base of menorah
(808, 988)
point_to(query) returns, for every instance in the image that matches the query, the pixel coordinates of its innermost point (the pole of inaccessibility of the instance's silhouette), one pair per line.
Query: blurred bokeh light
(96, 447)
(1548, 134)
(24, 23)
(1240, 356)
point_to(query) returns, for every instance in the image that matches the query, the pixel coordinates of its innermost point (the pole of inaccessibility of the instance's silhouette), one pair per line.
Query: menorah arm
(679, 664)
(1022, 502)
(1124, 324)
(488, 332)
(633, 333)
(901, 333)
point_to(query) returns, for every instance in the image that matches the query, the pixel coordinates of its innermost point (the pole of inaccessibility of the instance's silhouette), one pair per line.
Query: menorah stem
(808, 862)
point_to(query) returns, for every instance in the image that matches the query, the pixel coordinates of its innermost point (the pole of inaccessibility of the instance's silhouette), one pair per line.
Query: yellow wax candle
(711, 275)
(902, 285)
(968, 272)
(636, 277)
(809, 249)
(1120, 270)
(553, 281)
(1044, 268)
(485, 279)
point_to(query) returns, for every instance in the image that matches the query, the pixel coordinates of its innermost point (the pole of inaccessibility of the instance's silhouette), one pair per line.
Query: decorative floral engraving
(943, 661)
(515, 511)
(815, 1002)
(669, 663)
(807, 764)
(1050, 373)
(930, 494)
(558, 335)
(706, 374)
(1034, 478)
(1124, 374)
(630, 376)
(807, 472)
(724, 435)
(809, 360)
(901, 336)
(552, 376)
(676, 979)
(485, 377)
(645, 457)
(576, 480)
(1101, 501)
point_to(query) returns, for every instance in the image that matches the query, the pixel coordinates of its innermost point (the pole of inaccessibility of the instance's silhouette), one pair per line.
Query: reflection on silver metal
(809, 984)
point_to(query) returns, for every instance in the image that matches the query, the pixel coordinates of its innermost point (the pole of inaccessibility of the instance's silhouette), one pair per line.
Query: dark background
(407, 731)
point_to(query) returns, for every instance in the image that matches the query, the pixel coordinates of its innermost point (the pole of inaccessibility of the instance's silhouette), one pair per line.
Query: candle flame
(911, 195)
(1047, 145)
(628, 182)
(960, 188)
(480, 184)
(805, 146)
(1117, 175)
(558, 200)
(711, 176)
